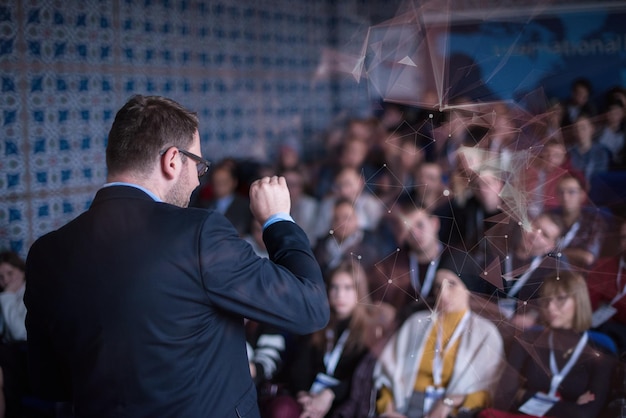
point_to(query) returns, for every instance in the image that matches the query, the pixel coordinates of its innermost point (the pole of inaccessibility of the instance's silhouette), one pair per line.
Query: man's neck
(134, 180)
(569, 217)
(426, 255)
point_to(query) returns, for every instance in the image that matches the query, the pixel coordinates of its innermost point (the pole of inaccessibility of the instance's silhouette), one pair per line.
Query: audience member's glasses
(559, 300)
(202, 165)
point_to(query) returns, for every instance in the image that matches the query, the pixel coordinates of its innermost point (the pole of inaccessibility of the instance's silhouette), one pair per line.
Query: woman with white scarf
(443, 362)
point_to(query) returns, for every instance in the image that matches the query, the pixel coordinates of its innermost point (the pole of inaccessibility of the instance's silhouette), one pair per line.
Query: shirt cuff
(277, 217)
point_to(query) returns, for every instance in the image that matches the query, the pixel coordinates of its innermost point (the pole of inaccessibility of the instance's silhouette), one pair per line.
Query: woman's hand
(318, 405)
(440, 410)
(304, 399)
(586, 398)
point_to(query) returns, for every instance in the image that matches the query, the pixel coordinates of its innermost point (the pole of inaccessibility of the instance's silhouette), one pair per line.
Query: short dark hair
(145, 126)
(577, 176)
(582, 82)
(12, 258)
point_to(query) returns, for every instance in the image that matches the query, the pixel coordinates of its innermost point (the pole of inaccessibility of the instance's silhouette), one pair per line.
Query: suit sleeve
(49, 376)
(286, 291)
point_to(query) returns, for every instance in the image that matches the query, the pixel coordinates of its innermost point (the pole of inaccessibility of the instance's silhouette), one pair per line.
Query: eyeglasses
(202, 165)
(559, 300)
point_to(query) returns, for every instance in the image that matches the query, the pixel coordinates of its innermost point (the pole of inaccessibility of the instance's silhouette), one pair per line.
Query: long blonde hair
(359, 320)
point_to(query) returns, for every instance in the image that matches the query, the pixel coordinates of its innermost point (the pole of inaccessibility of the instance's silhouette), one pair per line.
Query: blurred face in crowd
(452, 294)
(429, 176)
(349, 184)
(580, 95)
(354, 153)
(571, 195)
(421, 231)
(295, 183)
(345, 222)
(223, 183)
(583, 128)
(342, 294)
(541, 238)
(614, 115)
(410, 155)
(554, 155)
(289, 157)
(560, 309)
(11, 278)
(487, 188)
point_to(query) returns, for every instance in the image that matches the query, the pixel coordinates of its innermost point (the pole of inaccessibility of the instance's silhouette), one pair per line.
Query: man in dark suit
(136, 308)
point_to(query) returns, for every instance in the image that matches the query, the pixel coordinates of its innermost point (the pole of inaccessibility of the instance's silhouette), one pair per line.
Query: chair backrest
(603, 341)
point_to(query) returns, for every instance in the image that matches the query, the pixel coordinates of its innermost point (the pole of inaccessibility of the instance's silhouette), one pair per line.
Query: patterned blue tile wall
(66, 66)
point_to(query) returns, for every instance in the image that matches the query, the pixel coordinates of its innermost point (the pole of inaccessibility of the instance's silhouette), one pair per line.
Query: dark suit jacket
(136, 308)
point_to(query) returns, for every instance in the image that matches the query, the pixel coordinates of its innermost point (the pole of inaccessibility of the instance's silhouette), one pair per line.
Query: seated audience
(352, 153)
(349, 184)
(321, 373)
(463, 225)
(585, 226)
(440, 363)
(221, 194)
(406, 276)
(587, 155)
(578, 102)
(542, 177)
(527, 254)
(304, 208)
(612, 134)
(13, 370)
(555, 371)
(429, 185)
(345, 239)
(607, 289)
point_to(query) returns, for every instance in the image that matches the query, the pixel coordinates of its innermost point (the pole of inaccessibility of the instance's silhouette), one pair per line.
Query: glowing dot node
(525, 303)
(389, 281)
(519, 223)
(446, 192)
(430, 115)
(331, 232)
(358, 257)
(559, 254)
(486, 272)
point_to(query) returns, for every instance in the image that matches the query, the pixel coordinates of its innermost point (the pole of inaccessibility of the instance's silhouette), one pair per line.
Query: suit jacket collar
(119, 192)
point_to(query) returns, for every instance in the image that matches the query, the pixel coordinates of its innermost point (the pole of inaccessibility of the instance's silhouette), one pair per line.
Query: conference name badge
(431, 396)
(539, 404)
(507, 307)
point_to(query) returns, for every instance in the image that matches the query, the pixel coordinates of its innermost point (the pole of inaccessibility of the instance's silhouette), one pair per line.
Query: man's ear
(170, 163)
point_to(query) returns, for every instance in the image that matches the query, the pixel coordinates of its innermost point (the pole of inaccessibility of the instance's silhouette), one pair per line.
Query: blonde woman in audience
(442, 363)
(556, 371)
(321, 372)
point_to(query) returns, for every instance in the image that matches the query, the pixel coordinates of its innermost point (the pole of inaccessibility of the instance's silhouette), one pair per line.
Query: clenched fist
(269, 196)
